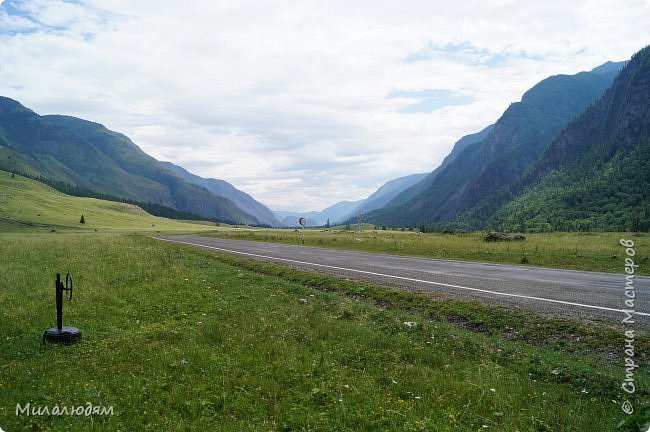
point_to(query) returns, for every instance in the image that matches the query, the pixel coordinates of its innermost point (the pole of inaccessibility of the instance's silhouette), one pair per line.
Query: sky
(301, 103)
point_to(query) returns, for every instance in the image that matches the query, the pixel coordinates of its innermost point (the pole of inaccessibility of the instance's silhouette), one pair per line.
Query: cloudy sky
(301, 103)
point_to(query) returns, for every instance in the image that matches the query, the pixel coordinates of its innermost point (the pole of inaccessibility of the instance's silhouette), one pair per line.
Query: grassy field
(182, 339)
(29, 204)
(577, 251)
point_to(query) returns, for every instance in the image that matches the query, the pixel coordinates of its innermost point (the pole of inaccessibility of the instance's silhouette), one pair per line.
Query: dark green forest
(586, 196)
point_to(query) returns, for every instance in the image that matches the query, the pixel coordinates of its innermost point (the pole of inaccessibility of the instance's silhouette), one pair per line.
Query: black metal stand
(60, 333)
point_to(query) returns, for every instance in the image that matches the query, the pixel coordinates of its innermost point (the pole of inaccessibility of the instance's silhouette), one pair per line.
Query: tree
(328, 223)
(82, 220)
(635, 223)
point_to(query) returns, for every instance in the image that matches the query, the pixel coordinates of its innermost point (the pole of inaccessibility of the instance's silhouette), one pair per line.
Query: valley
(325, 217)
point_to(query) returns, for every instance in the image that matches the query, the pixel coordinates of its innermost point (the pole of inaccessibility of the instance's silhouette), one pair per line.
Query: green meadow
(182, 339)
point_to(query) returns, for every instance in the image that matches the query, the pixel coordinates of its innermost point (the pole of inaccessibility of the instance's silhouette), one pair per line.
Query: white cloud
(288, 100)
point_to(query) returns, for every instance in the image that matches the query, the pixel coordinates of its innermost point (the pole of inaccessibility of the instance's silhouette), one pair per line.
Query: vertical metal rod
(59, 302)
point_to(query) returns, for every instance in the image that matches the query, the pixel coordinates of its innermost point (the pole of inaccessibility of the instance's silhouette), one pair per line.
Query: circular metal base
(66, 335)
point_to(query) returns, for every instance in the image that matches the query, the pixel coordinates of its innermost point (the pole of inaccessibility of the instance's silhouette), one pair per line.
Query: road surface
(581, 295)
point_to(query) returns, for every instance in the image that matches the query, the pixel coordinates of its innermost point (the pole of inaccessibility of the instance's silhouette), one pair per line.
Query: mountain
(508, 150)
(419, 187)
(596, 174)
(290, 219)
(386, 193)
(337, 212)
(294, 222)
(349, 210)
(334, 213)
(609, 67)
(222, 188)
(90, 156)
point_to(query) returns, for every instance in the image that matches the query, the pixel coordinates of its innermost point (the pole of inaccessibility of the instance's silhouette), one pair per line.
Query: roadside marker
(302, 222)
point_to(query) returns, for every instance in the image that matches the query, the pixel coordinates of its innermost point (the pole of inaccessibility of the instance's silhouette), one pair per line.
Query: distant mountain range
(91, 157)
(333, 213)
(346, 210)
(572, 155)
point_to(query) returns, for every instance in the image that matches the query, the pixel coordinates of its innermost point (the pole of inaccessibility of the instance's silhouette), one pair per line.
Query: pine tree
(82, 220)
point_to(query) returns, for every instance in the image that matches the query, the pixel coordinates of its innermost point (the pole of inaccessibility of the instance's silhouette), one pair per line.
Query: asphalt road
(589, 296)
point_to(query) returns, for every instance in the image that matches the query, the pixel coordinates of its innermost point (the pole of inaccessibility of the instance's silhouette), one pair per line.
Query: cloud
(300, 104)
(429, 100)
(465, 52)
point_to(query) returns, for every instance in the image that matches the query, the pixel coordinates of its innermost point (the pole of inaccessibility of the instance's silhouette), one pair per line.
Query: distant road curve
(566, 293)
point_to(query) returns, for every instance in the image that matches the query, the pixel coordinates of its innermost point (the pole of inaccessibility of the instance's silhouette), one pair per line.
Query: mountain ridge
(386, 192)
(424, 183)
(222, 188)
(512, 145)
(90, 156)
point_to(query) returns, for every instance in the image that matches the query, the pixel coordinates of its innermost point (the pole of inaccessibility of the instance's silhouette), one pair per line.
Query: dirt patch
(464, 323)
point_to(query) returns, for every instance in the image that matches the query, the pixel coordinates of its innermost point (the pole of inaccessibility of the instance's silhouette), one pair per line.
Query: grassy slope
(29, 203)
(577, 251)
(181, 339)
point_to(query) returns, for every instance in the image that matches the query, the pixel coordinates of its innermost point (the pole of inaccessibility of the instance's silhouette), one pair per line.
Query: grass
(183, 339)
(576, 251)
(29, 204)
